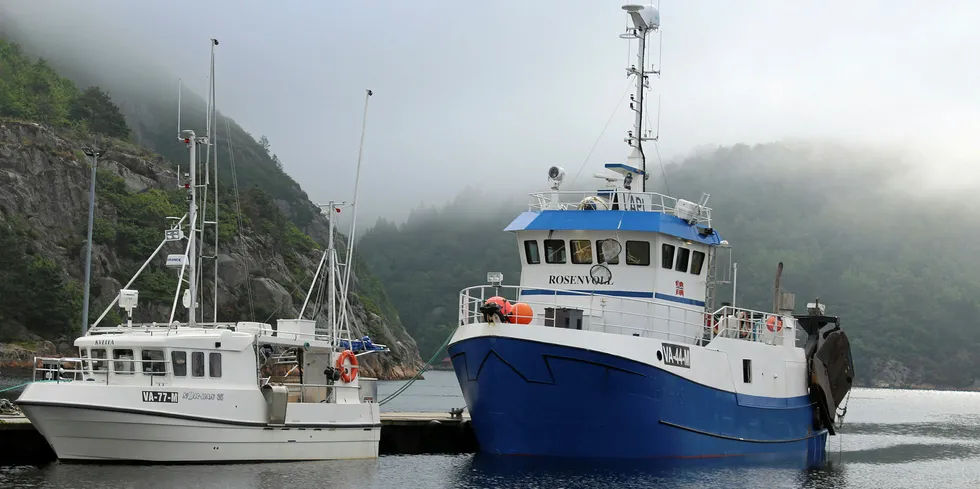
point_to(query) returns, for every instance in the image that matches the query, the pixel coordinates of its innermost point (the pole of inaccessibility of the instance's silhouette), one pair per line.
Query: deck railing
(581, 199)
(72, 369)
(77, 369)
(642, 317)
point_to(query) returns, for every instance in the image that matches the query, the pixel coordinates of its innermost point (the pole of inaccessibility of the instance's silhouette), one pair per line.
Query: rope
(419, 374)
(840, 445)
(5, 389)
(241, 221)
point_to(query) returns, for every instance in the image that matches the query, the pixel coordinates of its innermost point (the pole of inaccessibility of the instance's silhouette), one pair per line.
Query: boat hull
(85, 434)
(92, 434)
(533, 397)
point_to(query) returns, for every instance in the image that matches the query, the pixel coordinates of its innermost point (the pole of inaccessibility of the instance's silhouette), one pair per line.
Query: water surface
(890, 439)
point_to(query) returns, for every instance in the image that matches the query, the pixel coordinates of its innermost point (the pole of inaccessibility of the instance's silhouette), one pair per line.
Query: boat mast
(331, 264)
(191, 140)
(211, 135)
(209, 132)
(646, 19)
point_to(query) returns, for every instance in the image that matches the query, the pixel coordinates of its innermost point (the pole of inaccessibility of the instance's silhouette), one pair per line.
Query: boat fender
(775, 324)
(347, 374)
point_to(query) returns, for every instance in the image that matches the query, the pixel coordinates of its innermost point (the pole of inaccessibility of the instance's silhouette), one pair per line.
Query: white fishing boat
(614, 345)
(195, 391)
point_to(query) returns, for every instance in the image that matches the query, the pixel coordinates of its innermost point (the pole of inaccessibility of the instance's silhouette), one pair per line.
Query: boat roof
(613, 220)
(161, 335)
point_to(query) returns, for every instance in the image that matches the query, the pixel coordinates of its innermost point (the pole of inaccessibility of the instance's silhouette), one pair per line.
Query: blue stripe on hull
(530, 398)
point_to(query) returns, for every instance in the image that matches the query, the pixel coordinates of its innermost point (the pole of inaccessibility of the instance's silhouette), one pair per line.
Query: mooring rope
(25, 384)
(421, 370)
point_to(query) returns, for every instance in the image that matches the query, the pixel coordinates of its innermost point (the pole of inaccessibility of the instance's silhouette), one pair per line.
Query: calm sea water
(890, 439)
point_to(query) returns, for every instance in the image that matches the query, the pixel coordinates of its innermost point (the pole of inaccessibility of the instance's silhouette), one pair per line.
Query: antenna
(645, 19)
(214, 122)
(179, 89)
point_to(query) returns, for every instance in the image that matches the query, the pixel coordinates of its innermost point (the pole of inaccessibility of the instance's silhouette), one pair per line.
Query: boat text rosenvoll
(613, 344)
(196, 391)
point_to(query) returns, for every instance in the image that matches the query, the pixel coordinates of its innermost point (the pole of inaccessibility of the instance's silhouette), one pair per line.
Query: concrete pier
(401, 434)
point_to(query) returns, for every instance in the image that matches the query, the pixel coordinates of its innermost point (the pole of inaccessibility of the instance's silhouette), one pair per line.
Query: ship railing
(156, 328)
(642, 317)
(58, 369)
(586, 199)
(747, 324)
(71, 369)
(308, 392)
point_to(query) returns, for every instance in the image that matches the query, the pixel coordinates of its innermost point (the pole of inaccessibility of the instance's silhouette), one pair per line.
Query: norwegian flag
(679, 288)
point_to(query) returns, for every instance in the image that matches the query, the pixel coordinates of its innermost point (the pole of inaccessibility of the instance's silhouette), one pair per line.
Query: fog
(490, 94)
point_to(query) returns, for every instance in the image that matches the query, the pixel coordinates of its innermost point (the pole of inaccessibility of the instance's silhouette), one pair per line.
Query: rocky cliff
(265, 263)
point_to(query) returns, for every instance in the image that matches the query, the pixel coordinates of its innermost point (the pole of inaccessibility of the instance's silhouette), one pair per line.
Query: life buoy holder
(774, 324)
(744, 326)
(347, 374)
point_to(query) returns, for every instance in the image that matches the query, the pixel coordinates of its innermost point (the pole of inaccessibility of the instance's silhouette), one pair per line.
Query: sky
(491, 94)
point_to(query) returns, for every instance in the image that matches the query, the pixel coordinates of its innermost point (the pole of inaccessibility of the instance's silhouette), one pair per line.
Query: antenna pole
(214, 123)
(645, 21)
(179, 90)
(94, 153)
(638, 122)
(331, 283)
(191, 140)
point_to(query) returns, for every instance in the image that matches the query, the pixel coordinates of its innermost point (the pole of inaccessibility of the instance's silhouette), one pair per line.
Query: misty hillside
(147, 97)
(265, 262)
(846, 223)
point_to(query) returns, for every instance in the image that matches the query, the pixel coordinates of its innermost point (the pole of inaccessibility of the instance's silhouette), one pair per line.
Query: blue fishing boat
(615, 345)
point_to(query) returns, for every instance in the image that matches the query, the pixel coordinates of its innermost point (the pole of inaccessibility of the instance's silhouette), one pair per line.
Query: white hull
(98, 435)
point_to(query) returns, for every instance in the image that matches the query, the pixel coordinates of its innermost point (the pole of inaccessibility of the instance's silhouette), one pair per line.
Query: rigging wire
(611, 116)
(241, 223)
(349, 261)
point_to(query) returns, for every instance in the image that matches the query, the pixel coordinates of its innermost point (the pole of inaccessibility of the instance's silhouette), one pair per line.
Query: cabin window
(214, 365)
(667, 256)
(611, 260)
(97, 354)
(683, 255)
(554, 251)
(154, 362)
(638, 253)
(697, 261)
(179, 362)
(125, 362)
(581, 251)
(531, 252)
(746, 371)
(197, 364)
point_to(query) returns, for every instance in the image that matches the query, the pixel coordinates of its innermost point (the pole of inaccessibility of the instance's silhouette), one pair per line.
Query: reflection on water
(891, 438)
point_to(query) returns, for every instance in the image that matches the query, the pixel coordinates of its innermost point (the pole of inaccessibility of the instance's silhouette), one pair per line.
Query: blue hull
(531, 398)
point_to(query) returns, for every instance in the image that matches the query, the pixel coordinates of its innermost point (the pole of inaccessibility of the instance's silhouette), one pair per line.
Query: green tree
(95, 107)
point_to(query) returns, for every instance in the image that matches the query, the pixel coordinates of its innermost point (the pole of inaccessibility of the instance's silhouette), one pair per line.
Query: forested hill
(848, 224)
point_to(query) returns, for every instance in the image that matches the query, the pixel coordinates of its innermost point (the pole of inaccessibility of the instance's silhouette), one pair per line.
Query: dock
(401, 434)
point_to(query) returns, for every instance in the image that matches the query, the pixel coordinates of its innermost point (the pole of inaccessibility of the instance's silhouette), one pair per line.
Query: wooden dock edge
(401, 434)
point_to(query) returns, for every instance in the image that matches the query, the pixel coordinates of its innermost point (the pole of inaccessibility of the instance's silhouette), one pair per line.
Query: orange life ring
(774, 324)
(347, 374)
